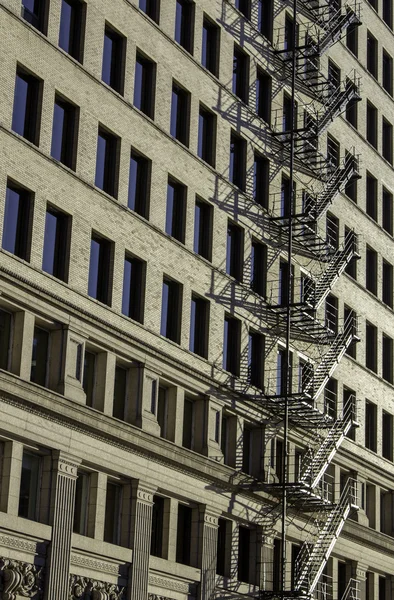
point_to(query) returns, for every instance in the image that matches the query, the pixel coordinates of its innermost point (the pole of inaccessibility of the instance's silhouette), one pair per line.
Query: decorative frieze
(157, 597)
(20, 579)
(83, 588)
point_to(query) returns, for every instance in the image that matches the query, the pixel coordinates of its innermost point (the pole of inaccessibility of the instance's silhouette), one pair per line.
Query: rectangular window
(387, 72)
(114, 51)
(372, 54)
(156, 541)
(261, 172)
(65, 132)
(387, 211)
(244, 558)
(207, 136)
(334, 75)
(188, 423)
(89, 376)
(151, 8)
(180, 114)
(199, 326)
(237, 172)
(372, 197)
(263, 95)
(352, 36)
(112, 513)
(80, 524)
(133, 288)
(388, 12)
(203, 218)
(331, 316)
(184, 24)
(371, 347)
(56, 243)
(35, 13)
(258, 268)
(120, 390)
(176, 210)
(371, 274)
(286, 279)
(222, 548)
(332, 231)
(210, 46)
(351, 268)
(350, 317)
(387, 435)
(100, 276)
(351, 106)
(243, 7)
(387, 140)
(387, 283)
(247, 450)
(235, 251)
(387, 358)
(39, 358)
(29, 493)
(372, 124)
(171, 308)
(232, 345)
(162, 410)
(107, 162)
(26, 113)
(333, 152)
(144, 85)
(184, 535)
(281, 365)
(371, 426)
(139, 184)
(72, 24)
(256, 347)
(240, 85)
(17, 221)
(265, 17)
(5, 338)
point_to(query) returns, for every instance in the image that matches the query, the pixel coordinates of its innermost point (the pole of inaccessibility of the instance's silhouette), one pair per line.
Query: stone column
(141, 528)
(65, 472)
(359, 572)
(209, 523)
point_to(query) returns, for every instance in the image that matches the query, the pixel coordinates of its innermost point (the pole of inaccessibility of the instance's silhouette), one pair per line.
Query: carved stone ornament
(20, 579)
(157, 597)
(83, 588)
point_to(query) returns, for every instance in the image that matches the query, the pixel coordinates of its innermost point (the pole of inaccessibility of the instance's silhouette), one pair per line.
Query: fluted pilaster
(209, 521)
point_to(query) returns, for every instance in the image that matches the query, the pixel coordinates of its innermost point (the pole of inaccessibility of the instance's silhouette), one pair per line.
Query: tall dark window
(332, 230)
(80, 524)
(243, 7)
(210, 46)
(151, 8)
(284, 293)
(238, 161)
(139, 184)
(162, 410)
(222, 546)
(351, 268)
(333, 151)
(387, 72)
(120, 390)
(331, 316)
(372, 124)
(188, 423)
(133, 288)
(372, 54)
(263, 95)
(56, 243)
(387, 140)
(231, 345)
(240, 84)
(29, 493)
(371, 347)
(100, 277)
(184, 534)
(156, 542)
(207, 136)
(334, 75)
(350, 317)
(184, 24)
(171, 307)
(371, 426)
(39, 357)
(244, 566)
(235, 251)
(258, 268)
(387, 435)
(27, 110)
(261, 174)
(71, 30)
(371, 272)
(89, 376)
(64, 132)
(352, 37)
(144, 85)
(256, 345)
(113, 59)
(351, 106)
(112, 513)
(372, 197)
(107, 162)
(176, 210)
(265, 17)
(199, 326)
(5, 338)
(180, 114)
(388, 12)
(17, 221)
(387, 358)
(387, 211)
(203, 217)
(35, 13)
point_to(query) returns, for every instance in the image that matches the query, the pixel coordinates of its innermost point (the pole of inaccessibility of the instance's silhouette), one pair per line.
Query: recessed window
(151, 8)
(387, 12)
(89, 376)
(332, 231)
(371, 347)
(352, 106)
(144, 85)
(235, 251)
(17, 221)
(261, 170)
(26, 113)
(265, 17)
(284, 293)
(100, 276)
(258, 268)
(189, 422)
(176, 210)
(107, 162)
(139, 184)
(162, 411)
(133, 288)
(156, 542)
(224, 533)
(29, 493)
(5, 337)
(81, 506)
(331, 313)
(112, 513)
(371, 426)
(263, 95)
(180, 114)
(210, 46)
(237, 174)
(206, 136)
(231, 345)
(171, 308)
(352, 34)
(72, 26)
(39, 357)
(387, 358)
(387, 72)
(56, 243)
(372, 197)
(184, 535)
(243, 7)
(203, 217)
(35, 13)
(387, 140)
(283, 383)
(334, 75)
(120, 393)
(387, 435)
(113, 59)
(244, 555)
(371, 274)
(387, 211)
(350, 320)
(199, 326)
(65, 132)
(256, 346)
(372, 54)
(240, 84)
(184, 24)
(333, 152)
(372, 124)
(351, 268)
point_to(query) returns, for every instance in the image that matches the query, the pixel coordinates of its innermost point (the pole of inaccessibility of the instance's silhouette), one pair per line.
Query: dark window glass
(180, 114)
(352, 37)
(237, 172)
(244, 566)
(256, 359)
(371, 276)
(333, 152)
(133, 288)
(71, 28)
(39, 357)
(151, 8)
(5, 338)
(156, 541)
(107, 162)
(171, 310)
(34, 12)
(387, 435)
(184, 534)
(55, 254)
(188, 424)
(351, 268)
(246, 450)
(112, 513)
(80, 523)
(334, 75)
(235, 251)
(203, 214)
(240, 85)
(184, 24)
(207, 136)
(29, 486)
(17, 222)
(332, 231)
(210, 46)
(370, 426)
(265, 17)
(231, 345)
(261, 173)
(372, 125)
(99, 269)
(388, 12)
(89, 376)
(263, 96)
(387, 140)
(258, 268)
(372, 54)
(331, 316)
(144, 85)
(284, 293)
(387, 72)
(387, 358)
(372, 197)
(120, 389)
(162, 410)
(26, 111)
(199, 326)
(371, 338)
(64, 133)
(221, 566)
(243, 7)
(351, 107)
(176, 210)
(139, 184)
(113, 60)
(387, 211)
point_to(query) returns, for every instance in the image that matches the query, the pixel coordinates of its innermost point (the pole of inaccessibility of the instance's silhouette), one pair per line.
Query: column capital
(66, 464)
(361, 569)
(143, 492)
(209, 515)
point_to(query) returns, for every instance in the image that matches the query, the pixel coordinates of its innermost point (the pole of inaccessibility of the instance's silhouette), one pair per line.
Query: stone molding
(20, 544)
(158, 597)
(176, 586)
(20, 579)
(95, 565)
(85, 588)
(143, 492)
